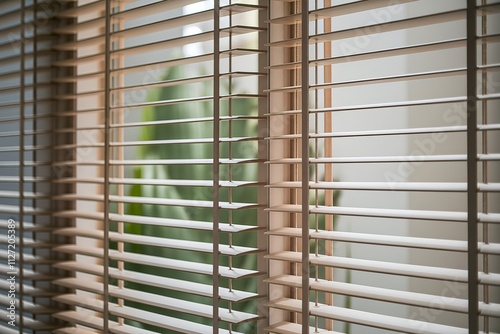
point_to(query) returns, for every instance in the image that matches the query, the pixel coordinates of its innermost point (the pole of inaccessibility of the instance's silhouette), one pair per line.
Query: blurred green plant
(200, 127)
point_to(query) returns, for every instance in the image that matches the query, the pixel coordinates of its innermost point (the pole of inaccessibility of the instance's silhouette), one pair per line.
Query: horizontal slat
(156, 281)
(187, 266)
(79, 214)
(234, 52)
(183, 121)
(27, 118)
(140, 143)
(155, 182)
(391, 186)
(82, 27)
(28, 306)
(71, 62)
(368, 318)
(95, 75)
(82, 285)
(182, 141)
(374, 212)
(389, 322)
(350, 8)
(409, 214)
(7, 330)
(412, 103)
(80, 250)
(28, 275)
(184, 100)
(160, 321)
(163, 25)
(165, 44)
(388, 295)
(164, 122)
(178, 305)
(85, 319)
(26, 194)
(284, 66)
(488, 127)
(489, 38)
(89, 8)
(486, 97)
(238, 29)
(159, 301)
(80, 232)
(164, 222)
(394, 25)
(384, 27)
(29, 290)
(28, 258)
(163, 64)
(96, 94)
(82, 43)
(29, 227)
(389, 213)
(134, 31)
(14, 88)
(393, 52)
(385, 132)
(40, 133)
(166, 263)
(488, 9)
(27, 102)
(438, 273)
(334, 11)
(182, 285)
(83, 267)
(27, 209)
(390, 159)
(144, 143)
(11, 8)
(164, 83)
(388, 240)
(489, 248)
(144, 162)
(28, 242)
(241, 74)
(156, 201)
(391, 78)
(29, 324)
(230, 250)
(375, 266)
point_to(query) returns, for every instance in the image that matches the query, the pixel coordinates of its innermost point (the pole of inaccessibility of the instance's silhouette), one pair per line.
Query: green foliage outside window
(200, 111)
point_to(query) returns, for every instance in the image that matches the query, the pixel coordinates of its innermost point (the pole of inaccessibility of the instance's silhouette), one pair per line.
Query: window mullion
(305, 269)
(107, 157)
(472, 178)
(216, 167)
(22, 110)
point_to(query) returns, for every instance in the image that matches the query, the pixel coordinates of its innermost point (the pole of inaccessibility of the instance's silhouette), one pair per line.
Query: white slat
(388, 295)
(368, 319)
(157, 281)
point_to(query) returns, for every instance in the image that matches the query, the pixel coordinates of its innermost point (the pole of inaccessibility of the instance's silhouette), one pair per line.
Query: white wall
(373, 119)
(446, 115)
